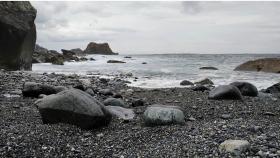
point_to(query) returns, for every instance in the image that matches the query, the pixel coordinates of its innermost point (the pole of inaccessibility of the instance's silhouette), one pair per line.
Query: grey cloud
(191, 7)
(185, 26)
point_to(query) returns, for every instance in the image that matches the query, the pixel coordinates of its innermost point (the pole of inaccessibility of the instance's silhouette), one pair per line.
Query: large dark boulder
(225, 92)
(273, 89)
(246, 89)
(75, 107)
(99, 48)
(17, 35)
(265, 65)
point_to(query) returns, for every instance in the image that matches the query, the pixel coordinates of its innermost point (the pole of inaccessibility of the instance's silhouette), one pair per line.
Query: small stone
(192, 119)
(235, 147)
(269, 114)
(16, 106)
(226, 116)
(100, 135)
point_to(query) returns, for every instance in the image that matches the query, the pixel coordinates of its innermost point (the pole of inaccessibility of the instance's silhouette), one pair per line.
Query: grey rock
(17, 34)
(246, 89)
(273, 89)
(225, 92)
(120, 112)
(186, 83)
(90, 91)
(32, 89)
(59, 88)
(115, 61)
(115, 102)
(235, 147)
(205, 81)
(163, 115)
(99, 48)
(208, 68)
(106, 92)
(75, 107)
(117, 95)
(226, 116)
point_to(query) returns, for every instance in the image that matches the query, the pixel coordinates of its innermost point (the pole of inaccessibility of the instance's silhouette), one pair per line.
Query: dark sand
(22, 133)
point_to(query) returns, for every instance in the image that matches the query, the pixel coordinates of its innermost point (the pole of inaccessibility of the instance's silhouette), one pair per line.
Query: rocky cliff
(17, 35)
(99, 48)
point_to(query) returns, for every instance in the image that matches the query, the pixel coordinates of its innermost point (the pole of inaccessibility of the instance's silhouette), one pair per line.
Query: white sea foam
(162, 71)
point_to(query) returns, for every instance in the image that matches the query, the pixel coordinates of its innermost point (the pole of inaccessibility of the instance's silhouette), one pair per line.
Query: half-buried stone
(246, 89)
(115, 102)
(75, 107)
(32, 89)
(225, 92)
(121, 113)
(156, 115)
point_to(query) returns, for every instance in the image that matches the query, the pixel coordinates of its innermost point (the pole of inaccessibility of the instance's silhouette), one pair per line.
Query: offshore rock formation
(99, 48)
(43, 55)
(265, 65)
(17, 35)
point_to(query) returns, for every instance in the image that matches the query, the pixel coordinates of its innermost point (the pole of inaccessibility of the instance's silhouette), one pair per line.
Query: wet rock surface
(23, 134)
(246, 89)
(225, 92)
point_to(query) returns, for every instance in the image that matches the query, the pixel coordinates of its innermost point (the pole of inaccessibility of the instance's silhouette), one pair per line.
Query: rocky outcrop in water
(17, 35)
(78, 51)
(265, 65)
(43, 55)
(99, 48)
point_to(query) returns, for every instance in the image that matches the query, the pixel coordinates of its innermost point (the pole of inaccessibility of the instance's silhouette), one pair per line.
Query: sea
(168, 70)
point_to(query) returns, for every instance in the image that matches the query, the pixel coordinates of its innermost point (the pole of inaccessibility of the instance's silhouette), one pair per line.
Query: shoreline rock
(265, 65)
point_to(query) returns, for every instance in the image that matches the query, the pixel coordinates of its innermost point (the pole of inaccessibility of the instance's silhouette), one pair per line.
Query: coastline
(23, 134)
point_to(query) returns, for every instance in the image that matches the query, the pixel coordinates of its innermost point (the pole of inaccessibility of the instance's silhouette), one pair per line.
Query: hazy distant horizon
(161, 27)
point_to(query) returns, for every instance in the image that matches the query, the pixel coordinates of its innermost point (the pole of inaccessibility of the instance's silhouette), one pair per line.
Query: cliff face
(265, 65)
(99, 48)
(17, 35)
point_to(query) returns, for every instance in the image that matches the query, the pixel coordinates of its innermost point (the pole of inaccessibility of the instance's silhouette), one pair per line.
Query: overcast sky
(161, 27)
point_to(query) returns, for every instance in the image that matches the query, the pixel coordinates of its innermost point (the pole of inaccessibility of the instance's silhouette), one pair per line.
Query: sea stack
(17, 35)
(99, 48)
